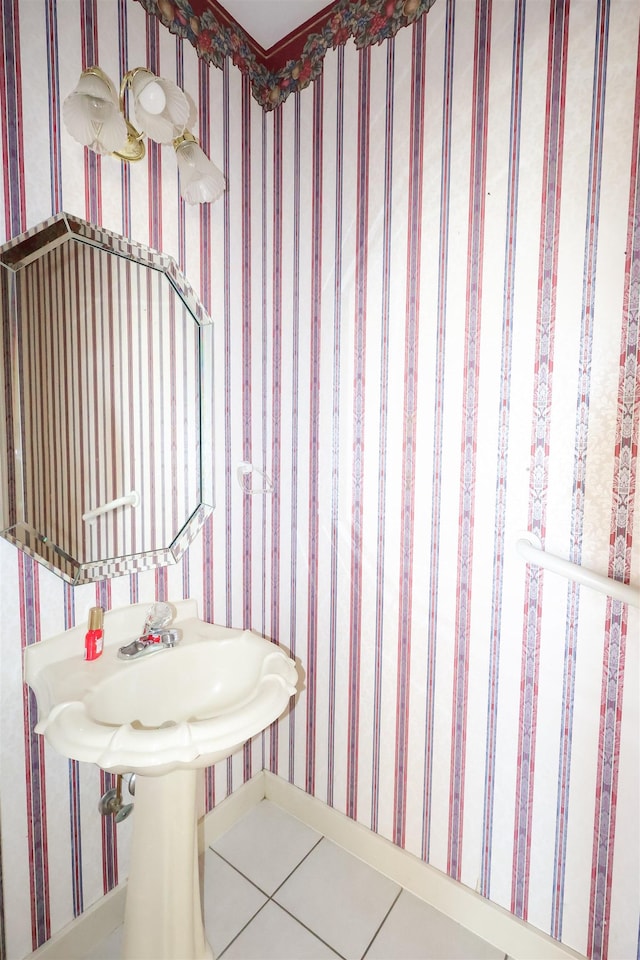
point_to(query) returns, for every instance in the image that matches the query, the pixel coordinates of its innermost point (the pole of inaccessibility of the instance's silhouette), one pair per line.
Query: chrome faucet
(155, 635)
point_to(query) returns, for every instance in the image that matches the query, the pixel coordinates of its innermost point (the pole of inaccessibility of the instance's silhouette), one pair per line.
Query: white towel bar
(129, 500)
(529, 547)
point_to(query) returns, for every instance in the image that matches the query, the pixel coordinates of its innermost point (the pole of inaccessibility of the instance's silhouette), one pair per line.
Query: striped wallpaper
(425, 283)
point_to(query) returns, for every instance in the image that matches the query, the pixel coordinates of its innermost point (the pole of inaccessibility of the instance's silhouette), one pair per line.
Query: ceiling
(280, 45)
(268, 21)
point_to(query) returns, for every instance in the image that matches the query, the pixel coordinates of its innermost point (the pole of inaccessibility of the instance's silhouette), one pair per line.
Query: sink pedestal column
(163, 914)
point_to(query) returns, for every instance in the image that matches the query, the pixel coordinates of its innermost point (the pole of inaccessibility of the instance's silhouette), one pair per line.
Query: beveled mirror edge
(59, 228)
(75, 573)
(22, 250)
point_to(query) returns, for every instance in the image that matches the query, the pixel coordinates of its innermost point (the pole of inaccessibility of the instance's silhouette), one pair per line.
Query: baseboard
(517, 939)
(79, 937)
(231, 809)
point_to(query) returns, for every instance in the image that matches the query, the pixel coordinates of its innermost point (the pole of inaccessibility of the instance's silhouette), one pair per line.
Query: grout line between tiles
(233, 939)
(257, 886)
(309, 930)
(299, 864)
(381, 924)
(243, 875)
(275, 902)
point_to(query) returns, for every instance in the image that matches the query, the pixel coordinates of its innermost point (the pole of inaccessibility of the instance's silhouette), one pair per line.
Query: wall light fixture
(95, 115)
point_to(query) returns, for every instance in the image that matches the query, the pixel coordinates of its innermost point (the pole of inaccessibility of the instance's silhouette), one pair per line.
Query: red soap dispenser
(94, 637)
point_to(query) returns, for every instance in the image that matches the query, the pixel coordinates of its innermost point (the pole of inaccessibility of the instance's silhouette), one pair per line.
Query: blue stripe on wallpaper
(295, 468)
(15, 215)
(500, 543)
(274, 565)
(580, 464)
(335, 423)
(410, 429)
(54, 98)
(358, 431)
(227, 342)
(383, 430)
(469, 440)
(315, 324)
(540, 440)
(36, 799)
(438, 420)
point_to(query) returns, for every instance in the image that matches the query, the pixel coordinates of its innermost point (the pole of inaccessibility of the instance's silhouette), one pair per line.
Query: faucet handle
(158, 616)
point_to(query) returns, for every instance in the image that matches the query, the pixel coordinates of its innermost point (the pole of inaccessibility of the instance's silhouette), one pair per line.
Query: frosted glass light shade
(152, 98)
(161, 108)
(92, 114)
(95, 115)
(200, 179)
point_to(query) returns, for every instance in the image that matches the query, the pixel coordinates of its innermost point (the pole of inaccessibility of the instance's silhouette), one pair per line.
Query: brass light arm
(134, 149)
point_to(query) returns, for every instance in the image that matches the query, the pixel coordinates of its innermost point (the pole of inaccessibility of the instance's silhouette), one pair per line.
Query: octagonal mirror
(106, 446)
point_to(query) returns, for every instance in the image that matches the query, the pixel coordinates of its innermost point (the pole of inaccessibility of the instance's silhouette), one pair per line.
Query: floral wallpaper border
(366, 21)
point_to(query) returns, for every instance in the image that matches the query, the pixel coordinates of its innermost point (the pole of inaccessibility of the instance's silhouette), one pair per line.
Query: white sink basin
(182, 707)
(163, 716)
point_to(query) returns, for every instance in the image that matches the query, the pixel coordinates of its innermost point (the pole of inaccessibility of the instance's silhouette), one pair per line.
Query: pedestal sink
(163, 717)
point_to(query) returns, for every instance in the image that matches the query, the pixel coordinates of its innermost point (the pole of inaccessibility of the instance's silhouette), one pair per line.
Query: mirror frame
(16, 255)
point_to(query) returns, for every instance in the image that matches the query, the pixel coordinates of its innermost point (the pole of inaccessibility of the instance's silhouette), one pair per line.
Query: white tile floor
(277, 890)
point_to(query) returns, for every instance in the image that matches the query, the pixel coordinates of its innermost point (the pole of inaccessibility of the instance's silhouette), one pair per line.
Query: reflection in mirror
(106, 449)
